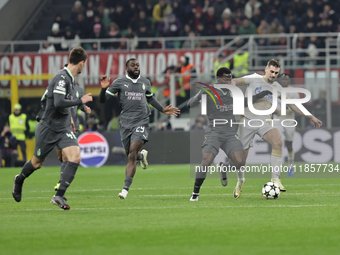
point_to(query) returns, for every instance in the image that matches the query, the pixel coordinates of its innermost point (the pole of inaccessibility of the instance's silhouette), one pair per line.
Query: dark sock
(198, 184)
(62, 168)
(67, 177)
(26, 171)
(127, 183)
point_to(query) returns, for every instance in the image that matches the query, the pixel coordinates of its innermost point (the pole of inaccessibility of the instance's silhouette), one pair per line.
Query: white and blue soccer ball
(271, 190)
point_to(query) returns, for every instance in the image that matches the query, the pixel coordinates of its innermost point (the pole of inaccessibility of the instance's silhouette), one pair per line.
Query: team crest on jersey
(143, 86)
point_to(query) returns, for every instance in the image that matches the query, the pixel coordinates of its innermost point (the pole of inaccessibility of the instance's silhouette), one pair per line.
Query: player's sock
(276, 162)
(127, 183)
(67, 177)
(26, 171)
(198, 184)
(141, 156)
(231, 165)
(62, 168)
(291, 156)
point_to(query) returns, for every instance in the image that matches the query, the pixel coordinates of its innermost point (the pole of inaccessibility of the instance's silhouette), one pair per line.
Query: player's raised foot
(56, 187)
(17, 189)
(61, 202)
(123, 194)
(194, 197)
(278, 182)
(290, 172)
(223, 174)
(238, 188)
(144, 162)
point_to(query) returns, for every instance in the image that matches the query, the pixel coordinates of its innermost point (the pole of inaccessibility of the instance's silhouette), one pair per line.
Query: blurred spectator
(170, 25)
(122, 44)
(133, 12)
(232, 30)
(275, 28)
(209, 19)
(69, 39)
(120, 17)
(142, 18)
(237, 4)
(328, 13)
(190, 10)
(18, 123)
(206, 5)
(98, 33)
(301, 45)
(297, 7)
(273, 14)
(8, 148)
(32, 123)
(227, 19)
(93, 124)
(320, 107)
(90, 11)
(177, 10)
(159, 11)
(198, 18)
(55, 37)
(247, 28)
(219, 7)
(312, 49)
(200, 123)
(324, 26)
(201, 31)
(250, 7)
(265, 6)
(81, 26)
(164, 125)
(143, 33)
(62, 23)
(185, 31)
(189, 43)
(240, 61)
(218, 63)
(290, 18)
(47, 48)
(76, 9)
(310, 27)
(187, 71)
(114, 34)
(218, 30)
(309, 4)
(263, 27)
(310, 17)
(257, 17)
(239, 17)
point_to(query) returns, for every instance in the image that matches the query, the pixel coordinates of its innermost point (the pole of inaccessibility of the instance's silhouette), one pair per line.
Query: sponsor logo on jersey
(94, 149)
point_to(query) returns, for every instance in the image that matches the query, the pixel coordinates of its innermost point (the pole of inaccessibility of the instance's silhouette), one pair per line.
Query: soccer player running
(267, 132)
(288, 131)
(134, 95)
(219, 136)
(78, 93)
(54, 129)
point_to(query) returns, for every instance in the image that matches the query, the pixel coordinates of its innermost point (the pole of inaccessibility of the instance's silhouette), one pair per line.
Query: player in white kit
(265, 129)
(287, 132)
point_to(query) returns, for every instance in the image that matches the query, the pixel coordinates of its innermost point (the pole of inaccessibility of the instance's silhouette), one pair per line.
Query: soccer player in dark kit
(134, 94)
(55, 129)
(219, 136)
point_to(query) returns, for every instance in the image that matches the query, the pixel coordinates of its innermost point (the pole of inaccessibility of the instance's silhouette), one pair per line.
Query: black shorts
(212, 143)
(46, 139)
(136, 134)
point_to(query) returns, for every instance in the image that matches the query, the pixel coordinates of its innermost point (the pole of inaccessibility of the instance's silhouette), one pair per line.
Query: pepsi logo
(94, 149)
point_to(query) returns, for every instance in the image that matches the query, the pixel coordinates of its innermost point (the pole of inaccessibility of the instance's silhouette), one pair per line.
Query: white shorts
(246, 133)
(287, 132)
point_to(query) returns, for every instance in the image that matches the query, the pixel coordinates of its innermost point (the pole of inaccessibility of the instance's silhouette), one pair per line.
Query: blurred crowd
(132, 19)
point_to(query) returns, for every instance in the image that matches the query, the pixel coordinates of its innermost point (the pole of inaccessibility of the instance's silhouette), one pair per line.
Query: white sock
(240, 174)
(291, 156)
(276, 162)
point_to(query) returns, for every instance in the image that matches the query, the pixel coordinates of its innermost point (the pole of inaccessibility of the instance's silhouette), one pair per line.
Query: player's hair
(221, 71)
(273, 62)
(127, 62)
(284, 75)
(77, 55)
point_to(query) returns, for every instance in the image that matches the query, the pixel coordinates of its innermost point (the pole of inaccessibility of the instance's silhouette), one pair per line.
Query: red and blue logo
(94, 149)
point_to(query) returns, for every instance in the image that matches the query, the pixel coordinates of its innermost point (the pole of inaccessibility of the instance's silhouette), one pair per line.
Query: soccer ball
(271, 190)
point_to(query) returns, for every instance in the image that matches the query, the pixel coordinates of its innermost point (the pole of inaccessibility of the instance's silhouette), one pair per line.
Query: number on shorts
(140, 129)
(71, 135)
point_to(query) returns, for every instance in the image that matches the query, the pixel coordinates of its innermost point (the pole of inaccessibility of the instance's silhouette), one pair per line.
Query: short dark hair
(284, 75)
(127, 62)
(273, 62)
(77, 55)
(221, 71)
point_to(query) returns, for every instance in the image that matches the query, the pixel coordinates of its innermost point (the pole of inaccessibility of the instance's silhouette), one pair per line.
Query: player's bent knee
(132, 156)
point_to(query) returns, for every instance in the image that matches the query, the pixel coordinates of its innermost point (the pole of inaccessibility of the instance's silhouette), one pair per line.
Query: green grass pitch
(157, 217)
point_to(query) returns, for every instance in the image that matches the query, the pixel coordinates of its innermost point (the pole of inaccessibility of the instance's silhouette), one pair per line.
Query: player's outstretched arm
(194, 101)
(313, 120)
(171, 110)
(257, 97)
(238, 82)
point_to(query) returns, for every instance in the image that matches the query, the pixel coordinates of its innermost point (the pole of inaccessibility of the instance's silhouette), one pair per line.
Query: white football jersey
(258, 84)
(289, 113)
